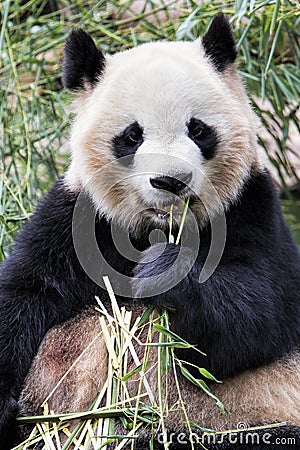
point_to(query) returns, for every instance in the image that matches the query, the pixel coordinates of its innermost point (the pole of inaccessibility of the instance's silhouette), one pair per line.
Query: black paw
(161, 268)
(8, 424)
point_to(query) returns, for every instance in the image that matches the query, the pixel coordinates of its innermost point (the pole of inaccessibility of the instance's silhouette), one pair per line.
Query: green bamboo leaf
(205, 373)
(145, 316)
(185, 372)
(202, 385)
(182, 221)
(109, 441)
(185, 30)
(284, 89)
(138, 369)
(244, 33)
(205, 430)
(168, 333)
(277, 103)
(165, 357)
(168, 344)
(177, 339)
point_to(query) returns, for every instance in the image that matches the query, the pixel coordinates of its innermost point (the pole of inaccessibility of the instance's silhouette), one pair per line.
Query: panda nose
(174, 185)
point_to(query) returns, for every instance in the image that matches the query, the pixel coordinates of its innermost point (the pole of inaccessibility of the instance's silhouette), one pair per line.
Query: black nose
(174, 185)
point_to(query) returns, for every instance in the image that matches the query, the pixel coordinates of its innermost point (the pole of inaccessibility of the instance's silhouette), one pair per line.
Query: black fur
(204, 136)
(219, 43)
(83, 61)
(245, 315)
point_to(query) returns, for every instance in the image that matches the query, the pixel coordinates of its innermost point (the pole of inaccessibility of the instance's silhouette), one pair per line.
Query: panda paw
(161, 269)
(8, 424)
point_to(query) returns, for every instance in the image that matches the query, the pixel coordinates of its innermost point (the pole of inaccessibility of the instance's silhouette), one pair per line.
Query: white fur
(161, 86)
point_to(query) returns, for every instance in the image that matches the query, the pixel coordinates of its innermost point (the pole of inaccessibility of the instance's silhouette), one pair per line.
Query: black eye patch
(204, 136)
(127, 143)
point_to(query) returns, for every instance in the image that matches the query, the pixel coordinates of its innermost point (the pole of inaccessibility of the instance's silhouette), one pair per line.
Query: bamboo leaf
(136, 370)
(205, 373)
(145, 316)
(202, 385)
(172, 344)
(175, 338)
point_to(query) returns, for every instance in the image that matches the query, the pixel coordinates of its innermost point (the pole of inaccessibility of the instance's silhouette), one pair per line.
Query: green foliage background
(34, 115)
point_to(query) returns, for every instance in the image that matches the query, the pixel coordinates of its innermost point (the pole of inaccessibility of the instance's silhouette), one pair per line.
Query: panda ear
(83, 61)
(219, 44)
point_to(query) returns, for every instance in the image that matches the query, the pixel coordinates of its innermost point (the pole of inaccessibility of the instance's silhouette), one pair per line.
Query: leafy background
(34, 106)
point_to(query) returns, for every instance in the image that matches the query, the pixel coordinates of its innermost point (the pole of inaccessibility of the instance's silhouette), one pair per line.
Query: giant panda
(154, 126)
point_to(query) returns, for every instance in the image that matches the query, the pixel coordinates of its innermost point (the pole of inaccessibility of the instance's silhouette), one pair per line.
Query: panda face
(161, 124)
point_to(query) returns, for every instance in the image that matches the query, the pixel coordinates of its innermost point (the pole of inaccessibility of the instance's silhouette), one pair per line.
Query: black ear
(83, 61)
(219, 43)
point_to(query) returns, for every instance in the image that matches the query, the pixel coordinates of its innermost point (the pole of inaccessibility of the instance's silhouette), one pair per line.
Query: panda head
(158, 123)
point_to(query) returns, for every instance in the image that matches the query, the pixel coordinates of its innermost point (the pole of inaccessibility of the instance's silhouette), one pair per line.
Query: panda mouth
(163, 211)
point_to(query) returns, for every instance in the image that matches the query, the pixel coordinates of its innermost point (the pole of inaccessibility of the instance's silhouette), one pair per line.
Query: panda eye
(126, 143)
(204, 136)
(195, 129)
(134, 137)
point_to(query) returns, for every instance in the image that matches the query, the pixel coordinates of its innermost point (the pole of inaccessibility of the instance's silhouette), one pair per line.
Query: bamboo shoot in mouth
(163, 210)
